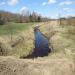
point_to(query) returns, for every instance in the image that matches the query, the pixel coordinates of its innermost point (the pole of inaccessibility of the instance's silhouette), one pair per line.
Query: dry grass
(5, 48)
(60, 62)
(22, 42)
(40, 66)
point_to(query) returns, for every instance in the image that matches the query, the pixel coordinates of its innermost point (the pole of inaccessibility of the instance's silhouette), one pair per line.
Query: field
(16, 38)
(14, 28)
(60, 62)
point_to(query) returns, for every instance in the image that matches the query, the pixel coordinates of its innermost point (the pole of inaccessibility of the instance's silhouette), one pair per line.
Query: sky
(48, 8)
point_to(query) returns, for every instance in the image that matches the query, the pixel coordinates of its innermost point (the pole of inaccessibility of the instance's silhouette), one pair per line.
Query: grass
(21, 33)
(62, 38)
(69, 35)
(39, 66)
(60, 62)
(14, 28)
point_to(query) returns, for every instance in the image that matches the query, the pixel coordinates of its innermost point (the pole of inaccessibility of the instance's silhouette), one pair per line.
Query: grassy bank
(17, 38)
(62, 39)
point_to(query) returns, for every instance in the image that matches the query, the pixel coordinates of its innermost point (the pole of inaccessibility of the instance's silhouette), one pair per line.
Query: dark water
(41, 46)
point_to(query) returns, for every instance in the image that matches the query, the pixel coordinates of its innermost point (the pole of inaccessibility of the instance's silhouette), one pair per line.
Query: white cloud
(24, 11)
(66, 3)
(13, 2)
(3, 3)
(44, 3)
(24, 8)
(68, 9)
(51, 1)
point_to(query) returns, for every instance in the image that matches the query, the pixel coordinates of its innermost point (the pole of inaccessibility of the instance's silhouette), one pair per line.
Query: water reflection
(41, 45)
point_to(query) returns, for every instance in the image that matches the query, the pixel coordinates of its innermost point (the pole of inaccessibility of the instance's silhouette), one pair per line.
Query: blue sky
(49, 8)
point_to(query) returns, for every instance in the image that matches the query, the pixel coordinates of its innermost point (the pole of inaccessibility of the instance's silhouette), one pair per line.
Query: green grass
(14, 28)
(21, 33)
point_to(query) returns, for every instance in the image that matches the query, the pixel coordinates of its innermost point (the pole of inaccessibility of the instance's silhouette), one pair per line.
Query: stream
(41, 45)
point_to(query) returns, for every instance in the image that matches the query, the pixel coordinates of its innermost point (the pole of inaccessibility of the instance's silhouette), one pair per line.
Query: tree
(30, 18)
(2, 21)
(24, 16)
(39, 18)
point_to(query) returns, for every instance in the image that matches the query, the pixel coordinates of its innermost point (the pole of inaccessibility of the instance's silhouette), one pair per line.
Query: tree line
(20, 18)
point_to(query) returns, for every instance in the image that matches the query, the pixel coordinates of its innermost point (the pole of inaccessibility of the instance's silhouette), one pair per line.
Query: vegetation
(60, 62)
(67, 21)
(17, 37)
(14, 28)
(20, 18)
(17, 40)
(1, 20)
